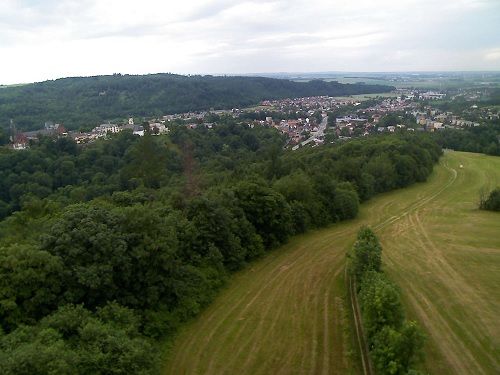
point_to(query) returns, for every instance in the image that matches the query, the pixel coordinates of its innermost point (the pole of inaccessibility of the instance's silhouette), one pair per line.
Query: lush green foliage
(366, 254)
(394, 343)
(484, 139)
(127, 238)
(491, 202)
(4, 138)
(84, 102)
(395, 118)
(75, 340)
(78, 174)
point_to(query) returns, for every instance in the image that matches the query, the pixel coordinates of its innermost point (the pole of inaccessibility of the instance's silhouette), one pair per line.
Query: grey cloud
(261, 35)
(212, 9)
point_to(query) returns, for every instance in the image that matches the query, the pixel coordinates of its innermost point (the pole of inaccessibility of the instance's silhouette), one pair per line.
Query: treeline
(460, 103)
(483, 139)
(87, 101)
(395, 344)
(69, 174)
(107, 249)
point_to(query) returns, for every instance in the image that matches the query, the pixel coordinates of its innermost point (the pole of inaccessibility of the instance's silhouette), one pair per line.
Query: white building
(158, 128)
(138, 130)
(104, 129)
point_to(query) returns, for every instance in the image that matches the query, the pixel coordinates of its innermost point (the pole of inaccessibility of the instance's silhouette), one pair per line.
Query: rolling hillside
(86, 101)
(288, 314)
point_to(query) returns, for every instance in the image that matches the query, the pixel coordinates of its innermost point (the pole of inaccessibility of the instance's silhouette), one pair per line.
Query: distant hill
(86, 101)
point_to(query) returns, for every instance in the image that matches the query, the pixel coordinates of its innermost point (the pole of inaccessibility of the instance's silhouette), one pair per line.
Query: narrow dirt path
(360, 335)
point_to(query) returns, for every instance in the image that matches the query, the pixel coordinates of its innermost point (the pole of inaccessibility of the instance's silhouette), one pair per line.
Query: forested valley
(106, 249)
(84, 102)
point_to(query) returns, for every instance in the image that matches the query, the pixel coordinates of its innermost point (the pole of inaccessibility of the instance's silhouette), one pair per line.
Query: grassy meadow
(288, 313)
(445, 256)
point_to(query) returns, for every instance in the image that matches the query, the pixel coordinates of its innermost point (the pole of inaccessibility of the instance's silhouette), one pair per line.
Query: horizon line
(262, 74)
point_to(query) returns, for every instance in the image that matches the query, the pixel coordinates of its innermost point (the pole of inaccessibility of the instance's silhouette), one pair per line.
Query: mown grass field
(288, 313)
(445, 256)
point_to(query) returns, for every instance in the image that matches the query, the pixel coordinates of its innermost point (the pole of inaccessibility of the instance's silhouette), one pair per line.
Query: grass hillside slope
(287, 313)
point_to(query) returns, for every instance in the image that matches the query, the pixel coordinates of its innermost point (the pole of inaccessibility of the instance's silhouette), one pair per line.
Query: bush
(366, 254)
(492, 202)
(395, 351)
(380, 304)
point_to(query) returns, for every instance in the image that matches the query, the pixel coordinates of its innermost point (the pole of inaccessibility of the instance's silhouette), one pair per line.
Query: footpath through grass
(288, 312)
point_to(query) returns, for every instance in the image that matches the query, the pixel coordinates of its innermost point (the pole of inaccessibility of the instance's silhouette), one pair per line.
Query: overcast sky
(47, 39)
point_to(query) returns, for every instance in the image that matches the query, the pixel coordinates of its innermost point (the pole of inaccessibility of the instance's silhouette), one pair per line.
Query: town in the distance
(310, 121)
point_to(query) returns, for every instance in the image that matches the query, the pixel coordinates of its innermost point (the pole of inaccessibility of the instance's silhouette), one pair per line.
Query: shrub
(492, 202)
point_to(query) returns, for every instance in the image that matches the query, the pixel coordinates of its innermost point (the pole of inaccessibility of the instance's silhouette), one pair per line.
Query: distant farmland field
(429, 83)
(417, 83)
(288, 313)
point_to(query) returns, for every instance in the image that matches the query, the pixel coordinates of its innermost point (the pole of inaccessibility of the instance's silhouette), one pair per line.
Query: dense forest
(106, 249)
(4, 136)
(87, 101)
(483, 139)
